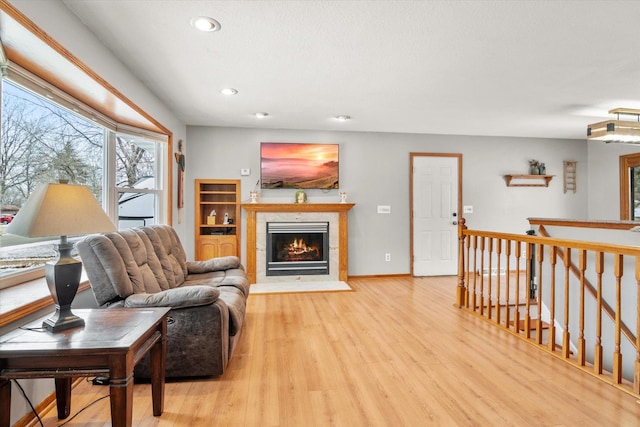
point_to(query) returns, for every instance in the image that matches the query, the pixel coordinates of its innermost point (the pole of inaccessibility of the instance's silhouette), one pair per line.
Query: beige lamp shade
(60, 210)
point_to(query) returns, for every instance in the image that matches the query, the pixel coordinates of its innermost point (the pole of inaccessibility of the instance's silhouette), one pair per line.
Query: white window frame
(30, 82)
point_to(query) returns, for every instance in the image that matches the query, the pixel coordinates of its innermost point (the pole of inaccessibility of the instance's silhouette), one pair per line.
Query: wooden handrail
(585, 223)
(558, 268)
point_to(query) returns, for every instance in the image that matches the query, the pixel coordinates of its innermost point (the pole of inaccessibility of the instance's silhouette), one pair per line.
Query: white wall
(374, 170)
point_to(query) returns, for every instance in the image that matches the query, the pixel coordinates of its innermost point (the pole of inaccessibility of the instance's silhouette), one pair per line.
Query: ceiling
(499, 68)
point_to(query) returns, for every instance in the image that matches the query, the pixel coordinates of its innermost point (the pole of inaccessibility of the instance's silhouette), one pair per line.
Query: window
(137, 181)
(630, 187)
(43, 141)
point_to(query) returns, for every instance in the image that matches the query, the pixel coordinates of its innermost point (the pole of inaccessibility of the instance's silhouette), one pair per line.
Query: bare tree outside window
(41, 142)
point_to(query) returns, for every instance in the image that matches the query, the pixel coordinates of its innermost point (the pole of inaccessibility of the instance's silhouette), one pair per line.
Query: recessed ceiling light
(261, 115)
(204, 23)
(343, 118)
(228, 91)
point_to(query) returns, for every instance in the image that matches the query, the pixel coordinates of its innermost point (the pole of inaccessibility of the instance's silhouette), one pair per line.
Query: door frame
(412, 156)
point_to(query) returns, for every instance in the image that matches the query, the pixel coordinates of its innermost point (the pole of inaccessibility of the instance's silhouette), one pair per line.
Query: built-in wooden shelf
(528, 180)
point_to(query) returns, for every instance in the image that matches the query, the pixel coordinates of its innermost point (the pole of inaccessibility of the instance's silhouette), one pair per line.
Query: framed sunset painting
(299, 165)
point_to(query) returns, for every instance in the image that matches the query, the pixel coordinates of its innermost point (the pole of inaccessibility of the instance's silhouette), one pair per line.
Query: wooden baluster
(516, 310)
(551, 341)
(618, 271)
(468, 290)
(581, 340)
(474, 304)
(566, 343)
(540, 257)
(507, 254)
(597, 352)
(489, 279)
(481, 275)
(499, 254)
(527, 316)
(636, 370)
(461, 290)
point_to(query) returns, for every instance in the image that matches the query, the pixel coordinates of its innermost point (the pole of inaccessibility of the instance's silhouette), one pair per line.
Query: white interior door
(435, 215)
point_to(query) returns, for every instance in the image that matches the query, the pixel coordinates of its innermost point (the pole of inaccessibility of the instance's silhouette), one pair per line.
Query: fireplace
(297, 248)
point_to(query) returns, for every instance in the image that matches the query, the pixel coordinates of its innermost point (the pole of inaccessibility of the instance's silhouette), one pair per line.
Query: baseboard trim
(374, 276)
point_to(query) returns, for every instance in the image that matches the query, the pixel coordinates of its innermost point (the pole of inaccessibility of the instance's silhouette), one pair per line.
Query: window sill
(27, 298)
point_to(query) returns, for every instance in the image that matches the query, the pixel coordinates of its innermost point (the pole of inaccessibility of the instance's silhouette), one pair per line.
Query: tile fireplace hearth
(334, 214)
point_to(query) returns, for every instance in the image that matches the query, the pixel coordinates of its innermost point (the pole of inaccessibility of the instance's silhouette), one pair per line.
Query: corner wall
(604, 178)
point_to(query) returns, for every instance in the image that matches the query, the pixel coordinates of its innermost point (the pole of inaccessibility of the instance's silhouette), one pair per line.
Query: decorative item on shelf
(343, 197)
(61, 210)
(253, 195)
(226, 218)
(542, 169)
(211, 219)
(301, 196)
(534, 167)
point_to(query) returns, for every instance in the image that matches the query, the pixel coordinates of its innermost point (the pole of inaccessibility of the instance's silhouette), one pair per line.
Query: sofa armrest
(213, 264)
(188, 296)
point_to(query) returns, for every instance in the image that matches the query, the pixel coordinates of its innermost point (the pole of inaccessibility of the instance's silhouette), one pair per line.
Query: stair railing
(585, 311)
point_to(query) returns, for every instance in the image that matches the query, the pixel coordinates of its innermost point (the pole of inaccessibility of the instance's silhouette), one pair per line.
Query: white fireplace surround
(258, 214)
(261, 244)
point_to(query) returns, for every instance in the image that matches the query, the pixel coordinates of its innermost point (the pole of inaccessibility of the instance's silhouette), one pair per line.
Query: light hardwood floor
(395, 352)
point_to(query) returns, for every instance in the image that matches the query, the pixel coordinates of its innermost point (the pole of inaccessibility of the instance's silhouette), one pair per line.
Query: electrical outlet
(245, 171)
(387, 257)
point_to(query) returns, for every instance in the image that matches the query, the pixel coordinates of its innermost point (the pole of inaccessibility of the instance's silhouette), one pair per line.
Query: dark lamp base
(62, 319)
(63, 278)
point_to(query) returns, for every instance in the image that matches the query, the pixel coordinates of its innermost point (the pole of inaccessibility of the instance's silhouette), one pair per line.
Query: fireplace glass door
(297, 248)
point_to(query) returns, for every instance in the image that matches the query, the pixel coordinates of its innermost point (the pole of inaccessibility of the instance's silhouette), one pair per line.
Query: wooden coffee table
(110, 344)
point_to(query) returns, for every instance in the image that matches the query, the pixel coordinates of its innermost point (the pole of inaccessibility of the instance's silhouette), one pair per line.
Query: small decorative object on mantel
(253, 195)
(301, 196)
(343, 197)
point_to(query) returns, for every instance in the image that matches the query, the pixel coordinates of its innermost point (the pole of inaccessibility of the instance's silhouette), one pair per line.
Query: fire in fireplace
(297, 248)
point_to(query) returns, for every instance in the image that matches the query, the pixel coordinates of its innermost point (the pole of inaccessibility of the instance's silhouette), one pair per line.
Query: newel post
(461, 290)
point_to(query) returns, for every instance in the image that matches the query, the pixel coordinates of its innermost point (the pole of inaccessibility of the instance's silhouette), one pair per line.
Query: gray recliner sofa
(147, 267)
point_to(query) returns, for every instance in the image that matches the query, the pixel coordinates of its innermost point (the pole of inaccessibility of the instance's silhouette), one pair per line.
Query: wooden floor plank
(395, 352)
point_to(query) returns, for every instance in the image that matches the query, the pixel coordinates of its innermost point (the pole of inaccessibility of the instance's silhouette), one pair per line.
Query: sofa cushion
(169, 251)
(189, 296)
(213, 264)
(236, 277)
(141, 263)
(105, 268)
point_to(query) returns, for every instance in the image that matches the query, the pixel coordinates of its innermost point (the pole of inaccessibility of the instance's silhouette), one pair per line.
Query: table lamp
(61, 210)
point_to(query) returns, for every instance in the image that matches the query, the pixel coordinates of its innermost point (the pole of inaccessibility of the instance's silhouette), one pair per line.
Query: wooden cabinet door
(215, 246)
(227, 246)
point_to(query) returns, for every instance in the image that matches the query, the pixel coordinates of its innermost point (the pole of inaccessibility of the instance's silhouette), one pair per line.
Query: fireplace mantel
(341, 209)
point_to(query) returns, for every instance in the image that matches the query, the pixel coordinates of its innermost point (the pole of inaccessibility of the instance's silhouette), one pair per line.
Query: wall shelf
(528, 180)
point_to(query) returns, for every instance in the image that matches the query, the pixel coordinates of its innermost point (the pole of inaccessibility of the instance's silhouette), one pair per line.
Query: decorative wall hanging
(569, 176)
